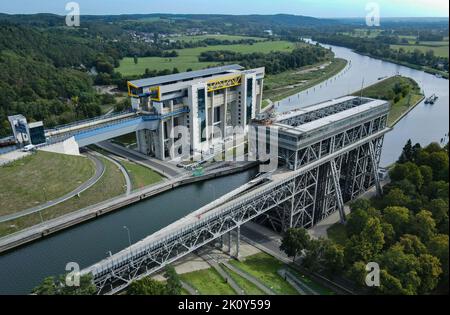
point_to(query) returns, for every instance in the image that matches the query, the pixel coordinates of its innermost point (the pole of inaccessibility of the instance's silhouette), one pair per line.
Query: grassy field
(188, 58)
(311, 284)
(39, 178)
(265, 268)
(380, 90)
(141, 176)
(363, 33)
(207, 282)
(248, 287)
(198, 38)
(439, 48)
(280, 86)
(127, 140)
(110, 185)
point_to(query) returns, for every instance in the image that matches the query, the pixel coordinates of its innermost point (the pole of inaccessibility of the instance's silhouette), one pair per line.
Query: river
(424, 124)
(22, 269)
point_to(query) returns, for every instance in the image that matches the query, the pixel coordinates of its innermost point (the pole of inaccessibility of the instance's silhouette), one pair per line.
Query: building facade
(204, 101)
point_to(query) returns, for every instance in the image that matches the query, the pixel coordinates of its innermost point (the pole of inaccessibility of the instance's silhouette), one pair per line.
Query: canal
(424, 124)
(22, 269)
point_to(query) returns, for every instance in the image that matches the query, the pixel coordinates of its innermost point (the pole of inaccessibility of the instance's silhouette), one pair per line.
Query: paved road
(99, 171)
(140, 158)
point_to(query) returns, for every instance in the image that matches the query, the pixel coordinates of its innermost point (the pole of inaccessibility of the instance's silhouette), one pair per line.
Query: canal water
(22, 269)
(424, 124)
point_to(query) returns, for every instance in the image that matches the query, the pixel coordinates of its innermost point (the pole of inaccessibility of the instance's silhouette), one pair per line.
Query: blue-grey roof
(173, 78)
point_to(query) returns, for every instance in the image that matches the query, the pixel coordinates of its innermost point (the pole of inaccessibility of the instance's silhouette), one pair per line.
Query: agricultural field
(362, 32)
(439, 48)
(198, 38)
(188, 58)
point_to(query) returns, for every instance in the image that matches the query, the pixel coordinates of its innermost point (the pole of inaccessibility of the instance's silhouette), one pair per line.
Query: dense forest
(405, 231)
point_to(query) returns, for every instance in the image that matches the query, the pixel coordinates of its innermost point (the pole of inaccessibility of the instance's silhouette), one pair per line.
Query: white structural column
(224, 113)
(374, 161)
(337, 189)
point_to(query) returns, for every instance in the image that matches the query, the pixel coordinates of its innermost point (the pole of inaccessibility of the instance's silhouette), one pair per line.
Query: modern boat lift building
(220, 98)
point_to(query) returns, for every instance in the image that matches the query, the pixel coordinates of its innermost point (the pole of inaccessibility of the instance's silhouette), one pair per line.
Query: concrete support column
(159, 142)
(222, 242)
(169, 135)
(143, 141)
(224, 115)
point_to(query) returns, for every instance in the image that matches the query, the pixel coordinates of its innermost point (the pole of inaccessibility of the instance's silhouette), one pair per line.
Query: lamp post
(129, 236)
(214, 190)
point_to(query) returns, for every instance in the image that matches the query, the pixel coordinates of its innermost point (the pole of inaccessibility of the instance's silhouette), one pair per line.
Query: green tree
(389, 284)
(439, 209)
(147, 286)
(429, 272)
(438, 161)
(173, 285)
(357, 272)
(368, 244)
(53, 286)
(438, 247)
(412, 245)
(396, 197)
(333, 258)
(423, 225)
(356, 222)
(398, 217)
(295, 241)
(427, 174)
(402, 266)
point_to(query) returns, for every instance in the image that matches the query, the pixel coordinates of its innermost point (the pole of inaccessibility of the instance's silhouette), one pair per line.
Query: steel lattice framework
(296, 195)
(332, 164)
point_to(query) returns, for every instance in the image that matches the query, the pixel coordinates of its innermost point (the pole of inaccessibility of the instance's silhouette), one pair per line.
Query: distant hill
(283, 20)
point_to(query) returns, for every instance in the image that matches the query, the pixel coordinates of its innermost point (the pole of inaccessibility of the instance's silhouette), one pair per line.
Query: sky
(315, 8)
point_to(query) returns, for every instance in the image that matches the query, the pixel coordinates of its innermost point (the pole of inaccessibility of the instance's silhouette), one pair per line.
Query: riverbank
(403, 93)
(56, 225)
(285, 84)
(428, 70)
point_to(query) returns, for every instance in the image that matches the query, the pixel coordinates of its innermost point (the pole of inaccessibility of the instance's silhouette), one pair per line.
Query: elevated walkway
(106, 127)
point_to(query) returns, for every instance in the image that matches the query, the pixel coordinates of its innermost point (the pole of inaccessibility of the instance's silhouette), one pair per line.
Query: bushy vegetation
(275, 62)
(149, 286)
(405, 231)
(57, 286)
(44, 76)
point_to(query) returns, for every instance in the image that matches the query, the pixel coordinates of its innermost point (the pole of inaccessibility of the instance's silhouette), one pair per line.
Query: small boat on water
(431, 100)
